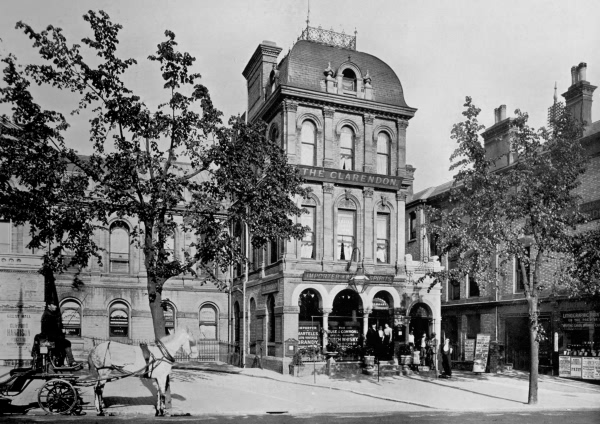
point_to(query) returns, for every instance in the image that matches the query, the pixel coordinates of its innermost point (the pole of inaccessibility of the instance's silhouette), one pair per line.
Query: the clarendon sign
(340, 176)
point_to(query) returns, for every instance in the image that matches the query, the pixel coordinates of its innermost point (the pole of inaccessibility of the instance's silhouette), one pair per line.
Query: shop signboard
(469, 349)
(308, 334)
(576, 366)
(345, 336)
(564, 366)
(579, 320)
(482, 348)
(347, 177)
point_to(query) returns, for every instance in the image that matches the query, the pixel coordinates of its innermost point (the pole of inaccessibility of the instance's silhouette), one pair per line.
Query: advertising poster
(308, 334)
(482, 349)
(587, 368)
(576, 366)
(469, 349)
(564, 366)
(18, 328)
(597, 368)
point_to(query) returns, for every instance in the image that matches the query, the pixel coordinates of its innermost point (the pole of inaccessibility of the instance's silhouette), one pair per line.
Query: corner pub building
(341, 117)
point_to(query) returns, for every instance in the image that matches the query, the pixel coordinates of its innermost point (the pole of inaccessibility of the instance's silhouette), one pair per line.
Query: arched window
(253, 326)
(170, 317)
(71, 317)
(349, 80)
(309, 144)
(119, 248)
(271, 318)
(346, 234)
(237, 323)
(118, 320)
(383, 238)
(347, 148)
(208, 322)
(383, 153)
(309, 220)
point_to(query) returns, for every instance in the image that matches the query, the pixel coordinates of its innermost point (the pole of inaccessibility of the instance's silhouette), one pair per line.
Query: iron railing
(329, 37)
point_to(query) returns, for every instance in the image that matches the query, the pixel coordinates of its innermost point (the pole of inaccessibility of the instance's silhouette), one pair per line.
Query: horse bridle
(164, 351)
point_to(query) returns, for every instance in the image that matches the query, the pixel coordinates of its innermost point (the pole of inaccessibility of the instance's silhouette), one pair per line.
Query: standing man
(411, 340)
(372, 338)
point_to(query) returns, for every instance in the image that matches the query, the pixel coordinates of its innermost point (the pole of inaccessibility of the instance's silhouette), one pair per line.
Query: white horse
(129, 360)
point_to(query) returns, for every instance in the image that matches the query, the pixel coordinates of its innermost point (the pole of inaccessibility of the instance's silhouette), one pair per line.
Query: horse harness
(151, 361)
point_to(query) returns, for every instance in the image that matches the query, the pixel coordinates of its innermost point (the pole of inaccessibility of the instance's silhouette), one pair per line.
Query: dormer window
(349, 80)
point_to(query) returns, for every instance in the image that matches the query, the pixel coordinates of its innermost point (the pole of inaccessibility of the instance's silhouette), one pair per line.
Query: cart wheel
(57, 397)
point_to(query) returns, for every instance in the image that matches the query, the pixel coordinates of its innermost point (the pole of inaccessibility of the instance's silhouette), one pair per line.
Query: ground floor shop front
(318, 318)
(568, 328)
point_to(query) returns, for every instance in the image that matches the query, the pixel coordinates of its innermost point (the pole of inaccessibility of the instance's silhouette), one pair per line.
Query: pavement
(221, 389)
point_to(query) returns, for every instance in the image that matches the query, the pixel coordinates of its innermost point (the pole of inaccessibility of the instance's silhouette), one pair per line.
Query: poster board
(18, 328)
(587, 368)
(469, 349)
(308, 334)
(564, 366)
(482, 349)
(576, 367)
(344, 336)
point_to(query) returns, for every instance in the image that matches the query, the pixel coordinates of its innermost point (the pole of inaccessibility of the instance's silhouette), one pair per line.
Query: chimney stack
(496, 116)
(578, 98)
(502, 112)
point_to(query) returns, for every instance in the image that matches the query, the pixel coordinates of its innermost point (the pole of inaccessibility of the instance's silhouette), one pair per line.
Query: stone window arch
(384, 148)
(119, 246)
(347, 148)
(119, 319)
(308, 141)
(71, 317)
(209, 322)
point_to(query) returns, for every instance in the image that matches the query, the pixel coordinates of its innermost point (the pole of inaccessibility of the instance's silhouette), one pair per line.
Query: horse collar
(164, 351)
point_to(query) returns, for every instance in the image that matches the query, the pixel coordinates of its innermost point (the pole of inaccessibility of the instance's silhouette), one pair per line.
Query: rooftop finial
(308, 15)
(555, 95)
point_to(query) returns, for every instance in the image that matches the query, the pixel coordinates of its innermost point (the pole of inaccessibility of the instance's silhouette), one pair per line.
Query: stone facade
(342, 119)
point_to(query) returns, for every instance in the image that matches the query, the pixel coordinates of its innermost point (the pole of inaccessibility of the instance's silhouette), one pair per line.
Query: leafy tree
(207, 178)
(526, 210)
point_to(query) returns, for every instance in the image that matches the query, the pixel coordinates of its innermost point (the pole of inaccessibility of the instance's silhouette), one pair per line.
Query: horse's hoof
(100, 414)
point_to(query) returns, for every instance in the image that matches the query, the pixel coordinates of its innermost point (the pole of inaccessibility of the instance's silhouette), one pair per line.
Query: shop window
(383, 238)
(119, 248)
(347, 148)
(308, 241)
(271, 318)
(5, 232)
(208, 323)
(170, 316)
(346, 234)
(519, 280)
(473, 325)
(473, 286)
(412, 225)
(118, 320)
(348, 80)
(309, 144)
(71, 318)
(383, 153)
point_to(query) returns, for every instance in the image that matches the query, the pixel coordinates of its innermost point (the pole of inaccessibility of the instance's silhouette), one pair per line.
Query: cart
(60, 394)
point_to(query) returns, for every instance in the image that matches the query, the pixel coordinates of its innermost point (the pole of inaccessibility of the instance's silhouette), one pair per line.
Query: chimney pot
(573, 75)
(502, 112)
(581, 70)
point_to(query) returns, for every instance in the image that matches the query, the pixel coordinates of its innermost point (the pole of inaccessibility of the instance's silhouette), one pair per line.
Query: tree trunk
(154, 295)
(534, 359)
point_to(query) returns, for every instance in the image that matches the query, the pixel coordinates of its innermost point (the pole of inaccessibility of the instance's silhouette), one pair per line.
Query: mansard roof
(304, 67)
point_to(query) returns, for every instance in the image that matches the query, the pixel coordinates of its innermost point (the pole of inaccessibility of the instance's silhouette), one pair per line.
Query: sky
(498, 52)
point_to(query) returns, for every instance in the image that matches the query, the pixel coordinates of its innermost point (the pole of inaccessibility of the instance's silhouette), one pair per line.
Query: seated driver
(52, 330)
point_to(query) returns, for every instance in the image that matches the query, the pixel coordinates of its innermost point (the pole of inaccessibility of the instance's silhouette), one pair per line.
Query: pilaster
(328, 145)
(369, 145)
(289, 118)
(402, 124)
(328, 222)
(400, 232)
(368, 244)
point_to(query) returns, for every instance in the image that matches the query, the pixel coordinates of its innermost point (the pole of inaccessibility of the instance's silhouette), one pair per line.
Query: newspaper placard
(564, 366)
(587, 368)
(576, 367)
(482, 349)
(18, 328)
(469, 349)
